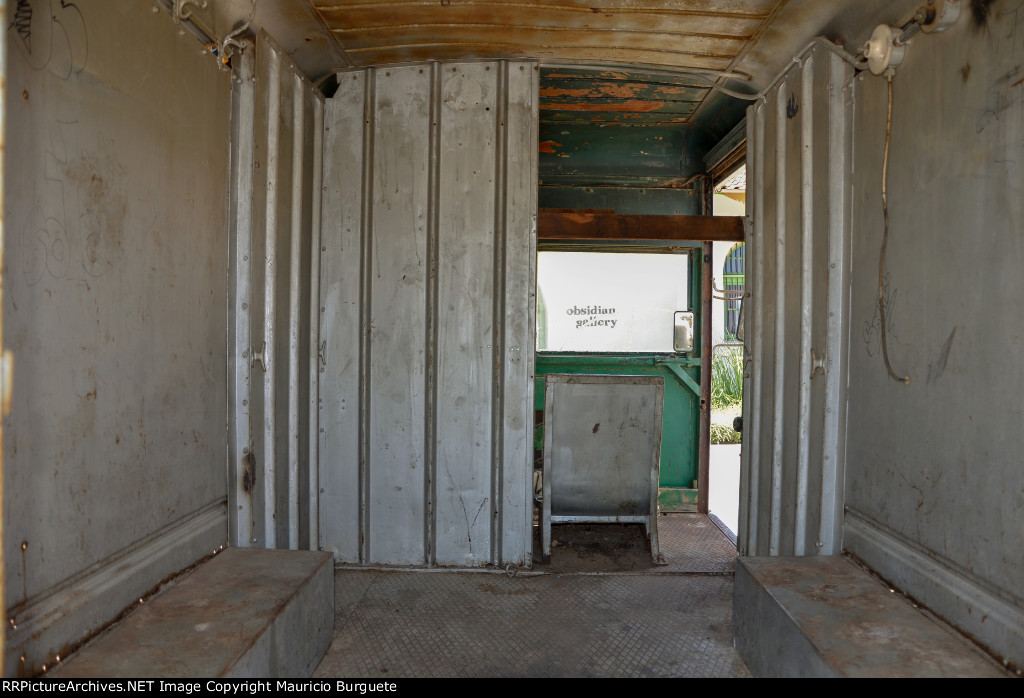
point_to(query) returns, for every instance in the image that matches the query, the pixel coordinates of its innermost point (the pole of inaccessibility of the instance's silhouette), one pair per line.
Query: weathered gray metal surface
(427, 287)
(607, 475)
(799, 141)
(273, 499)
(935, 487)
(593, 611)
(241, 461)
(826, 617)
(6, 369)
(276, 623)
(115, 307)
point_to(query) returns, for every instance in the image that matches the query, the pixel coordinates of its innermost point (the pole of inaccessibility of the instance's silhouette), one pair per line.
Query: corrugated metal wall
(428, 303)
(276, 168)
(798, 155)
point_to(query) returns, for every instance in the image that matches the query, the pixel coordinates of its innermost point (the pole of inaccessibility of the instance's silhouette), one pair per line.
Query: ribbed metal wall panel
(428, 296)
(276, 161)
(797, 318)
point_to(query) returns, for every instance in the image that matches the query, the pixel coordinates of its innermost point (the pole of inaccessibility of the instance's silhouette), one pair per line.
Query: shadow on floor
(591, 612)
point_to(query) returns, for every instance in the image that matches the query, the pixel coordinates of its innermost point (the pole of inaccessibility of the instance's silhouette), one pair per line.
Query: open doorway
(728, 285)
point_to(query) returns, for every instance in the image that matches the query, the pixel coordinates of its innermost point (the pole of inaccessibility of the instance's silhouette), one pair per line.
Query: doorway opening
(729, 291)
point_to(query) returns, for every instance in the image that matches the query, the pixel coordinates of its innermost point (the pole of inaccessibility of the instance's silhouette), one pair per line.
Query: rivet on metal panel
(322, 490)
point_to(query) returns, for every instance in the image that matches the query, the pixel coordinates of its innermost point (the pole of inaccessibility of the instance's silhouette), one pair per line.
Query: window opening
(615, 302)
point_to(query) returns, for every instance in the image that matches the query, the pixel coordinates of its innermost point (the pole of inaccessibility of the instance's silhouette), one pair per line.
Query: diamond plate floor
(564, 619)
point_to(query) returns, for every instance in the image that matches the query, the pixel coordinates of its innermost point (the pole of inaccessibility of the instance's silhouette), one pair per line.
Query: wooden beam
(554, 224)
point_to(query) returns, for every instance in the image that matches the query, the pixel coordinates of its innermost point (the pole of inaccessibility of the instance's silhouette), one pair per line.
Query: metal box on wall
(602, 446)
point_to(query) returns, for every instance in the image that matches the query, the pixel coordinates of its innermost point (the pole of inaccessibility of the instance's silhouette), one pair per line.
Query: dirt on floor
(597, 548)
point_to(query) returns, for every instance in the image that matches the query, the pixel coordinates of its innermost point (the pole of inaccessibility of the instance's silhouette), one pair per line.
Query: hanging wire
(885, 238)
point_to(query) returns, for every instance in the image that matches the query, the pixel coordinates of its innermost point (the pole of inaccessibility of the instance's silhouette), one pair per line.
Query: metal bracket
(182, 10)
(682, 376)
(231, 44)
(260, 356)
(817, 363)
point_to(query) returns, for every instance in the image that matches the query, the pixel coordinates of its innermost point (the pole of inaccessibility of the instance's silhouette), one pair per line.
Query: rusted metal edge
(555, 225)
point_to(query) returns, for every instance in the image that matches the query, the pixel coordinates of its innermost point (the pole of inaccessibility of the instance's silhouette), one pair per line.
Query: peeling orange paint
(564, 92)
(672, 90)
(635, 105)
(622, 90)
(619, 89)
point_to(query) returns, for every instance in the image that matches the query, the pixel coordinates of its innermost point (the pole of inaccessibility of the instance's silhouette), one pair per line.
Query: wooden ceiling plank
(497, 36)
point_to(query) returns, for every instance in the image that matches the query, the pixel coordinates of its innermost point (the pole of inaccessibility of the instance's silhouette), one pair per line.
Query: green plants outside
(727, 378)
(726, 394)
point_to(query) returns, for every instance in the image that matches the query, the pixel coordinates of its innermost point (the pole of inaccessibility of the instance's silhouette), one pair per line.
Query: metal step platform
(827, 617)
(242, 614)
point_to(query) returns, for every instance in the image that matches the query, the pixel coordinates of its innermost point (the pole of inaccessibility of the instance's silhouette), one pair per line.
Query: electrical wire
(885, 238)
